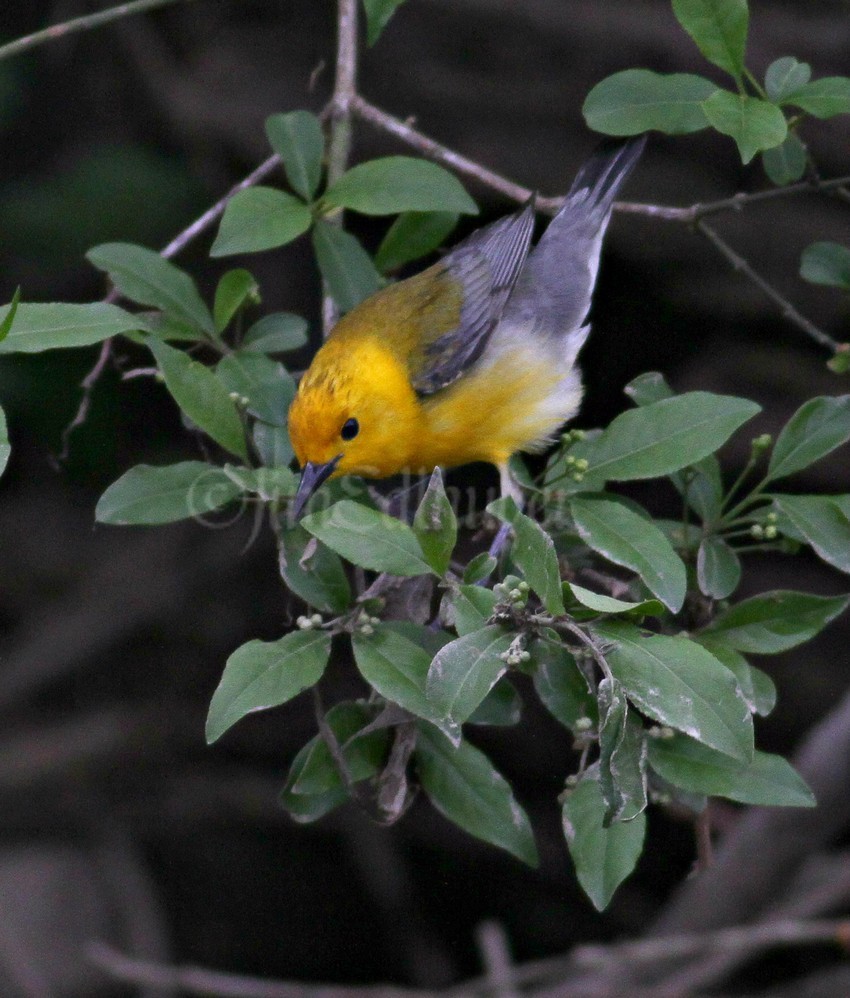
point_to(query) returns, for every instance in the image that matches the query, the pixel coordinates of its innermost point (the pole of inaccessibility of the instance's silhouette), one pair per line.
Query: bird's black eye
(350, 429)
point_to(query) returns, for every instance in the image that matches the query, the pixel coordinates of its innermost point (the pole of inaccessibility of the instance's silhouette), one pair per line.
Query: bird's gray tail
(555, 286)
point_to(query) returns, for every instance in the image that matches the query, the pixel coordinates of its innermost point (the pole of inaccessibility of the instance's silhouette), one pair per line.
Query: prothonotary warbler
(471, 360)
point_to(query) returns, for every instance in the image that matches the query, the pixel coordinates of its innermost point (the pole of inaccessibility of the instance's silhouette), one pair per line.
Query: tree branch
(84, 23)
(788, 310)
(340, 107)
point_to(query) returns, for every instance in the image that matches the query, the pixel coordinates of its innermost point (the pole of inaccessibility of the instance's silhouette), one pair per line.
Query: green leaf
(464, 671)
(471, 607)
(816, 428)
(48, 327)
(502, 707)
(603, 857)
(273, 444)
(775, 621)
(306, 808)
(148, 495)
(784, 77)
(600, 603)
(718, 568)
(297, 138)
(264, 382)
(649, 387)
(312, 571)
(432, 641)
(378, 14)
(411, 236)
(345, 265)
(278, 332)
(480, 567)
(754, 124)
(368, 538)
(235, 288)
(399, 183)
(678, 683)
(824, 98)
(397, 668)
(270, 484)
(767, 780)
(638, 100)
(143, 276)
(823, 525)
(622, 755)
(533, 552)
(201, 395)
(560, 683)
(462, 785)
(665, 436)
(756, 687)
(435, 525)
(839, 362)
(314, 770)
(719, 28)
(826, 263)
(5, 447)
(701, 483)
(263, 674)
(11, 311)
(260, 218)
(626, 538)
(785, 164)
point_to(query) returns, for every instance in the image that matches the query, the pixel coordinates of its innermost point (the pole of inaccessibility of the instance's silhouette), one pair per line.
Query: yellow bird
(471, 360)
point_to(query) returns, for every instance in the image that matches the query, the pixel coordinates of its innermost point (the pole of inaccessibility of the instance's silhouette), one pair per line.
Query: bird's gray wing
(486, 266)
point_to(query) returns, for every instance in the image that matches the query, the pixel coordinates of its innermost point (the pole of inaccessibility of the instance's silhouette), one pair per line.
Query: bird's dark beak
(311, 478)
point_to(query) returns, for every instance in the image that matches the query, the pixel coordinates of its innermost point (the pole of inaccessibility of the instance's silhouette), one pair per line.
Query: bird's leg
(508, 486)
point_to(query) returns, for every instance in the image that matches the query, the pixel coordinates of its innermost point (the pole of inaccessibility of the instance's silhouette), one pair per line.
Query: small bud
(772, 518)
(571, 780)
(763, 442)
(160, 377)
(233, 396)
(584, 724)
(578, 434)
(667, 733)
(316, 620)
(525, 656)
(374, 620)
(770, 532)
(304, 623)
(654, 731)
(757, 532)
(367, 629)
(514, 595)
(504, 656)
(523, 587)
(569, 460)
(582, 464)
(577, 476)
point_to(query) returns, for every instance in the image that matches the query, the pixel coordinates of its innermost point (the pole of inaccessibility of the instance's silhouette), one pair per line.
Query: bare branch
(84, 23)
(411, 136)
(339, 144)
(211, 215)
(87, 385)
(788, 310)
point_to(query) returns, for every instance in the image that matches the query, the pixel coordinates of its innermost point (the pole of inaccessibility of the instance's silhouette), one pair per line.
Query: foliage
(625, 626)
(760, 118)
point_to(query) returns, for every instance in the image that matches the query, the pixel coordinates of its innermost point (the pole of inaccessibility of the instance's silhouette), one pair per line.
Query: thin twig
(84, 23)
(702, 833)
(211, 215)
(87, 385)
(788, 310)
(192, 980)
(339, 143)
(411, 136)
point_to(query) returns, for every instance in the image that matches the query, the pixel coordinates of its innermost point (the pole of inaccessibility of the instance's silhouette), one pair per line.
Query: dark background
(116, 821)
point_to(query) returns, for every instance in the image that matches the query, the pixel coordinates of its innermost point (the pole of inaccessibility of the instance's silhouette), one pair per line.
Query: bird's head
(355, 413)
